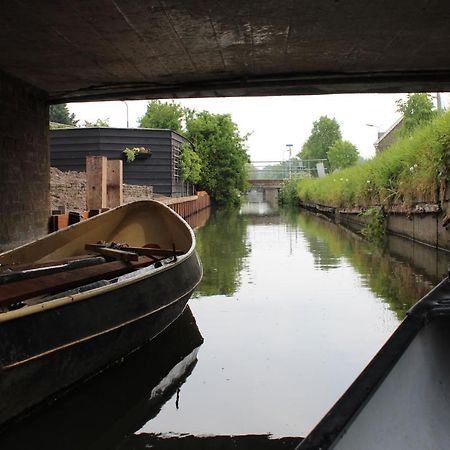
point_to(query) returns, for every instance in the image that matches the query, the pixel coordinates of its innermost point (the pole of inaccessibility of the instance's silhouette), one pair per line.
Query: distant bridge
(272, 174)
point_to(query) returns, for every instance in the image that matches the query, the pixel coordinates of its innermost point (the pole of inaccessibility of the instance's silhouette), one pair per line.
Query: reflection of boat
(402, 399)
(80, 319)
(104, 411)
(144, 441)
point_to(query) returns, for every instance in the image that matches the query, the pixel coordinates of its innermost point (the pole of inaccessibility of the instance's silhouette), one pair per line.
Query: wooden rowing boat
(401, 400)
(65, 316)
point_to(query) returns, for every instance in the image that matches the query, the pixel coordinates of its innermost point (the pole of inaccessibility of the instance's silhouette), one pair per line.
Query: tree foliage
(99, 123)
(342, 154)
(190, 164)
(223, 155)
(217, 161)
(324, 134)
(162, 115)
(60, 114)
(417, 110)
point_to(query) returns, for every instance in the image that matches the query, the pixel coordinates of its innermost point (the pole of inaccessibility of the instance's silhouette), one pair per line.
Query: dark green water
(291, 309)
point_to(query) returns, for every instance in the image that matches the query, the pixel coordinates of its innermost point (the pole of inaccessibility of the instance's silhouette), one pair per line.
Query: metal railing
(282, 170)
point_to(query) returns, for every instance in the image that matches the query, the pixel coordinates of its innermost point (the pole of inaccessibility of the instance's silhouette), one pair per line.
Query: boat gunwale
(103, 332)
(152, 271)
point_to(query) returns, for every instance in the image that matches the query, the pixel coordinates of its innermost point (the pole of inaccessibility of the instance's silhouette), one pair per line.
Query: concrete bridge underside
(91, 50)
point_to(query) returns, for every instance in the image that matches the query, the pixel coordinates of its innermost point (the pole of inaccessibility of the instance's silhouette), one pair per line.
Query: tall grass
(411, 170)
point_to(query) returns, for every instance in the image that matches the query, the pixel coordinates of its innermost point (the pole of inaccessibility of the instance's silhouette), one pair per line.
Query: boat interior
(107, 246)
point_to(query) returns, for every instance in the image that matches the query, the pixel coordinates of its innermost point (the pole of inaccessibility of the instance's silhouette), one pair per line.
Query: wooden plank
(155, 251)
(114, 182)
(96, 170)
(114, 253)
(21, 290)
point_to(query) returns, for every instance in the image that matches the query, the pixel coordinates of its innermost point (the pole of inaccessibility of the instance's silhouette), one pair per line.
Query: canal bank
(403, 190)
(426, 224)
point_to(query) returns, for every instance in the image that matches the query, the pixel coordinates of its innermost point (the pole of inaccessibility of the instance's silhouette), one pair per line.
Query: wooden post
(114, 190)
(96, 182)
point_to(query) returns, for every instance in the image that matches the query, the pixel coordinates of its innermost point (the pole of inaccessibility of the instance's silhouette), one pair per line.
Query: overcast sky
(275, 122)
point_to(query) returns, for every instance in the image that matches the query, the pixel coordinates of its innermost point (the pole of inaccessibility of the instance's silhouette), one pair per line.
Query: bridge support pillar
(24, 163)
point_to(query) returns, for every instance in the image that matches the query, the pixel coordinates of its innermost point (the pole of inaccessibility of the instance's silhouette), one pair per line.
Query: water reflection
(400, 274)
(105, 410)
(176, 442)
(222, 246)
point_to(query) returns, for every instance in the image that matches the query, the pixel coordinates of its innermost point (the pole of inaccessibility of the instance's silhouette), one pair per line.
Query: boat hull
(58, 346)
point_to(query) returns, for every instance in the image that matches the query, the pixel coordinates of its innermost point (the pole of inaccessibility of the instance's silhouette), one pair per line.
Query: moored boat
(402, 399)
(81, 298)
(104, 411)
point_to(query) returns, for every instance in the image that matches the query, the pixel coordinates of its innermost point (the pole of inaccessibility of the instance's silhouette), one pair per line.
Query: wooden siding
(70, 146)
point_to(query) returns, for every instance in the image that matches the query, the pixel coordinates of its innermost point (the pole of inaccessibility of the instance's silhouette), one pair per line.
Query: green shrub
(411, 170)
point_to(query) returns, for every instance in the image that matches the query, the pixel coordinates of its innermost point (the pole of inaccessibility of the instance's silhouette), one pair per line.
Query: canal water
(290, 310)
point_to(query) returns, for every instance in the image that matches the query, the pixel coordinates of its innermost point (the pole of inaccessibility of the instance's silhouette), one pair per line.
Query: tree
(324, 134)
(190, 164)
(417, 110)
(222, 153)
(99, 123)
(60, 114)
(162, 115)
(342, 154)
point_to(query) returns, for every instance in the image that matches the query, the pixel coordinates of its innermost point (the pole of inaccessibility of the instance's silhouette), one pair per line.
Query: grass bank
(414, 169)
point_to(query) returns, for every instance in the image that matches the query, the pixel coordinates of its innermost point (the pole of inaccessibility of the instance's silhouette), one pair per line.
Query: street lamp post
(378, 134)
(289, 149)
(126, 104)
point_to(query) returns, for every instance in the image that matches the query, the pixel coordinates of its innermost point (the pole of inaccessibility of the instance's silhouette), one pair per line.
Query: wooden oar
(28, 266)
(122, 249)
(20, 290)
(8, 277)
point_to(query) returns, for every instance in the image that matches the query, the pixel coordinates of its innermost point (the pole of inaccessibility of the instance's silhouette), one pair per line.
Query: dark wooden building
(70, 146)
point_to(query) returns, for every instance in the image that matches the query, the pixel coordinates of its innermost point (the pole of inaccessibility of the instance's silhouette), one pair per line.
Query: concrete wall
(24, 163)
(425, 228)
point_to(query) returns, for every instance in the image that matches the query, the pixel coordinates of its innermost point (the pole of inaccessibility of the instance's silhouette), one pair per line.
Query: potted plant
(130, 154)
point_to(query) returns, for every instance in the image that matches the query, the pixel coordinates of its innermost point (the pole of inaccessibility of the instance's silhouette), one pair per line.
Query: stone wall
(68, 189)
(24, 163)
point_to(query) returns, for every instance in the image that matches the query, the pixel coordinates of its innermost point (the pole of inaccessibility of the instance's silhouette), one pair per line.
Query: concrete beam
(189, 48)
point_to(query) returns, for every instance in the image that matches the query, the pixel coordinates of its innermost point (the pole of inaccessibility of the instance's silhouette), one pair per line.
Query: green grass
(412, 170)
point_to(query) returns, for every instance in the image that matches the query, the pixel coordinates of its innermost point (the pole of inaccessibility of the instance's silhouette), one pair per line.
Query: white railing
(282, 170)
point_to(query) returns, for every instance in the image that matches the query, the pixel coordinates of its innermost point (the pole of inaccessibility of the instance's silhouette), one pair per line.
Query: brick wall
(24, 163)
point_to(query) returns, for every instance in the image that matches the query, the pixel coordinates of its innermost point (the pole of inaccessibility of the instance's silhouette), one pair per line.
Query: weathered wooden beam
(114, 182)
(114, 253)
(96, 176)
(155, 251)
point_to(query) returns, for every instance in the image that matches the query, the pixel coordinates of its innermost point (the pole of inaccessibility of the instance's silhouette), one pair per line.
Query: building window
(176, 155)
